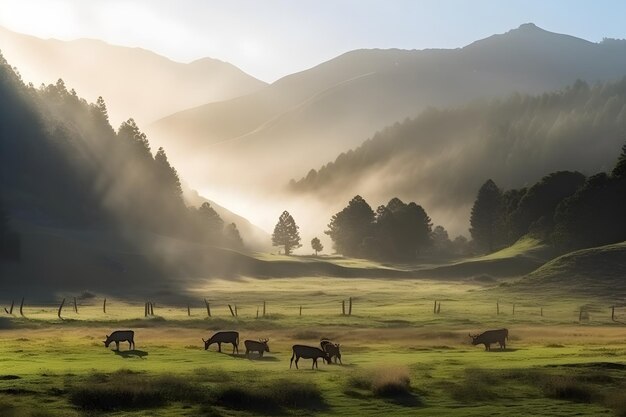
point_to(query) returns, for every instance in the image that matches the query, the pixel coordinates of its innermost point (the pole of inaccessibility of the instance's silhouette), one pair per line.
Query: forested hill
(441, 157)
(74, 189)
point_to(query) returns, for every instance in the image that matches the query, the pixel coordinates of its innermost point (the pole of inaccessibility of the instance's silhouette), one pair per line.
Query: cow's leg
(291, 361)
(247, 352)
(117, 345)
(219, 347)
(314, 363)
(297, 359)
(130, 345)
(341, 363)
(261, 354)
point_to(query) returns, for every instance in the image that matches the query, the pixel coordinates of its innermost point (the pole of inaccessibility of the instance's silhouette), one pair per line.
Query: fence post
(541, 311)
(257, 312)
(232, 313)
(236, 314)
(580, 315)
(11, 308)
(208, 308)
(497, 308)
(61, 308)
(513, 308)
(75, 306)
(104, 306)
(439, 307)
(188, 311)
(301, 310)
(350, 306)
(21, 307)
(263, 308)
(151, 306)
(613, 313)
(435, 308)
(343, 307)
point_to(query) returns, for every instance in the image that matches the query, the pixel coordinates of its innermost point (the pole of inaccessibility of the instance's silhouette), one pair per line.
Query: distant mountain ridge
(134, 82)
(315, 114)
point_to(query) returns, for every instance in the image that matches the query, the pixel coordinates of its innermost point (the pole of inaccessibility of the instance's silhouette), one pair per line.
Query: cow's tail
(507, 333)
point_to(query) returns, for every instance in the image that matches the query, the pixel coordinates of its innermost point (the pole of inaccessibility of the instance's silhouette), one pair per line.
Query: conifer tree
(286, 233)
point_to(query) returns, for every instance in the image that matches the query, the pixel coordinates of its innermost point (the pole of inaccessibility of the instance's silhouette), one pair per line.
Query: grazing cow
(324, 342)
(333, 350)
(254, 346)
(308, 352)
(121, 336)
(491, 336)
(223, 337)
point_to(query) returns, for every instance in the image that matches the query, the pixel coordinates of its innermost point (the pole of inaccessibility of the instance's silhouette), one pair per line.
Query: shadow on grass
(263, 358)
(131, 353)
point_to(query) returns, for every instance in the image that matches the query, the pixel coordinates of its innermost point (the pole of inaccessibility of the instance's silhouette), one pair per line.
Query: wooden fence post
(60, 309)
(263, 308)
(613, 313)
(11, 308)
(232, 313)
(75, 306)
(188, 311)
(580, 315)
(104, 306)
(151, 308)
(350, 306)
(257, 312)
(208, 308)
(439, 307)
(236, 314)
(22, 307)
(300, 310)
(343, 307)
(497, 308)
(435, 308)
(513, 308)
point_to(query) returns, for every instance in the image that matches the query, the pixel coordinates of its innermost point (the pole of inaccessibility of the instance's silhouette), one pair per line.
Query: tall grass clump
(383, 382)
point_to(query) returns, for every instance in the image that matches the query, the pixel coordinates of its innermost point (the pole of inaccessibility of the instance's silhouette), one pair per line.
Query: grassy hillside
(597, 271)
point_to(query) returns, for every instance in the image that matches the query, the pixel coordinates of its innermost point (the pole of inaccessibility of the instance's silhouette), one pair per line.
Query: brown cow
(254, 346)
(489, 337)
(308, 352)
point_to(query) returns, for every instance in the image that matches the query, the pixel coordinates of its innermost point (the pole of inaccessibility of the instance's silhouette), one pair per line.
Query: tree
(129, 132)
(441, 240)
(233, 238)
(620, 168)
(212, 221)
(286, 233)
(486, 216)
(166, 174)
(317, 246)
(349, 228)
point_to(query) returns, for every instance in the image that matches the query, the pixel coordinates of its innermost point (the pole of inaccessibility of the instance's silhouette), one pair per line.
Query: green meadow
(399, 357)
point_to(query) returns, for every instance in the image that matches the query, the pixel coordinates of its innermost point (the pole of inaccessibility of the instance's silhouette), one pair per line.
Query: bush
(279, 394)
(384, 382)
(564, 387)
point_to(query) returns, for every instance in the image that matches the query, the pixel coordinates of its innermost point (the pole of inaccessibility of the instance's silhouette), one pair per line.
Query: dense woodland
(64, 166)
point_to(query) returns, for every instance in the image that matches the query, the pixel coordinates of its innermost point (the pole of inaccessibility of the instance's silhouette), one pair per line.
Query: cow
(223, 337)
(254, 346)
(491, 336)
(333, 349)
(308, 352)
(121, 336)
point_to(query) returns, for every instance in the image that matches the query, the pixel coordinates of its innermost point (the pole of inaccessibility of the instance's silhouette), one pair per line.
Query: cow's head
(206, 344)
(474, 338)
(327, 358)
(107, 342)
(265, 345)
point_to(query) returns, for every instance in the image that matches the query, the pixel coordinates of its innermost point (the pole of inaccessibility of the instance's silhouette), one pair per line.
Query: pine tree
(136, 139)
(212, 221)
(232, 236)
(486, 216)
(350, 228)
(166, 174)
(620, 168)
(317, 246)
(286, 233)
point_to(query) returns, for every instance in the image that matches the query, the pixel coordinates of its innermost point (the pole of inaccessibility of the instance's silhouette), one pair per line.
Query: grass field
(399, 358)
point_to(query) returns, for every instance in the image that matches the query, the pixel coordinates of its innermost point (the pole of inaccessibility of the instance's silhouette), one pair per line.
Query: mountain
(441, 157)
(134, 82)
(305, 119)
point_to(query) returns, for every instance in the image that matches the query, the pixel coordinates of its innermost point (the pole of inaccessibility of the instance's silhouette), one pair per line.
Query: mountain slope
(134, 82)
(315, 114)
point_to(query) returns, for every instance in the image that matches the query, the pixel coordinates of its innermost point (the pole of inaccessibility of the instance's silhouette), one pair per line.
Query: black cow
(254, 346)
(223, 337)
(491, 336)
(121, 336)
(308, 352)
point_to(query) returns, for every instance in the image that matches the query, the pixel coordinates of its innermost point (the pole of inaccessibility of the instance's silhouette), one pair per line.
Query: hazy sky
(272, 38)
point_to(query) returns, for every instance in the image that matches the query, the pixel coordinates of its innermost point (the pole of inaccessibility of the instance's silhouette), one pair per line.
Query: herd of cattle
(327, 350)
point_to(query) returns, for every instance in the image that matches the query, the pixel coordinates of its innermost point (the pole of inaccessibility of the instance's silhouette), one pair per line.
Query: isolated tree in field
(286, 233)
(317, 246)
(486, 216)
(349, 228)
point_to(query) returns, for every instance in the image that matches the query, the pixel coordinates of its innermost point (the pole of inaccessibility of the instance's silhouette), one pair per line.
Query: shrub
(384, 382)
(565, 387)
(272, 397)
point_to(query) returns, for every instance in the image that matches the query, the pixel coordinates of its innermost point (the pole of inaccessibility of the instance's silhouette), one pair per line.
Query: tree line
(63, 165)
(564, 208)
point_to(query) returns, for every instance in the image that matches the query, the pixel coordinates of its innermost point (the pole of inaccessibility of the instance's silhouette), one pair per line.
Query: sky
(273, 38)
